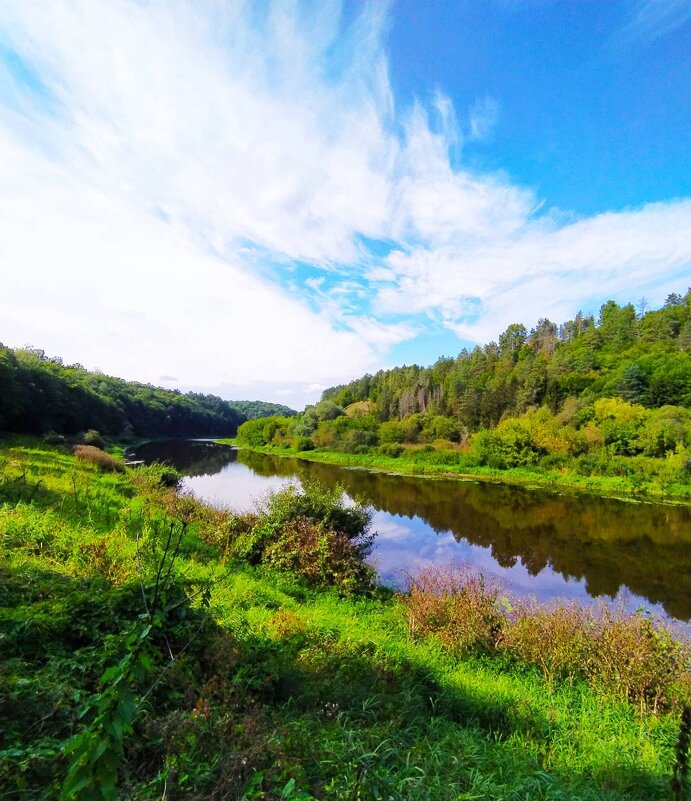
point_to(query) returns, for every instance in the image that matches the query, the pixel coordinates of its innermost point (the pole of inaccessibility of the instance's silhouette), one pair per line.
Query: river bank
(134, 627)
(428, 463)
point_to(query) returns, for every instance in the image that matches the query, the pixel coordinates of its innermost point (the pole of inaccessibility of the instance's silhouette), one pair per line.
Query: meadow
(154, 648)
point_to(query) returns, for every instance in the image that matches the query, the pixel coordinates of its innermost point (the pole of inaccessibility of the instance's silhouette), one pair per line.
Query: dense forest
(641, 358)
(607, 396)
(39, 394)
(253, 410)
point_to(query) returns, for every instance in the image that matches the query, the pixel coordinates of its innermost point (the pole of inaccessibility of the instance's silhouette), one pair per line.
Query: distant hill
(40, 394)
(253, 410)
(644, 358)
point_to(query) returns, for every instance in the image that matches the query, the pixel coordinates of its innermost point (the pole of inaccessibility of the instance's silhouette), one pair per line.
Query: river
(539, 543)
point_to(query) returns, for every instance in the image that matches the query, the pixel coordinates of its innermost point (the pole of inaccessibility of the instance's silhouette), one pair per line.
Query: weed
(456, 604)
(102, 460)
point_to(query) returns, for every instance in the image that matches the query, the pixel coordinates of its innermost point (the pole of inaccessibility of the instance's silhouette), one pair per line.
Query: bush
(51, 438)
(456, 604)
(93, 438)
(509, 445)
(626, 655)
(553, 461)
(392, 450)
(304, 444)
(638, 659)
(555, 640)
(321, 556)
(318, 504)
(102, 460)
(311, 532)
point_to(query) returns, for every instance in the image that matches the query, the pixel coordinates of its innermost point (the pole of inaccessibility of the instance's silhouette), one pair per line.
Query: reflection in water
(537, 542)
(192, 457)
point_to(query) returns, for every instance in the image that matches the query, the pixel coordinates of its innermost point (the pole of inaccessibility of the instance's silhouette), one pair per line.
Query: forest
(40, 394)
(255, 409)
(604, 397)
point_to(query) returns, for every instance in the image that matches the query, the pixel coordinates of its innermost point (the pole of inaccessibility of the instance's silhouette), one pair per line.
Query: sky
(264, 199)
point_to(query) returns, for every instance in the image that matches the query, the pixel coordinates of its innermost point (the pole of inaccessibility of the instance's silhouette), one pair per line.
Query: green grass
(277, 689)
(431, 464)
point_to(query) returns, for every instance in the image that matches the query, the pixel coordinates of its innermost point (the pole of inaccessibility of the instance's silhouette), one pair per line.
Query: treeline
(253, 410)
(642, 358)
(605, 397)
(39, 394)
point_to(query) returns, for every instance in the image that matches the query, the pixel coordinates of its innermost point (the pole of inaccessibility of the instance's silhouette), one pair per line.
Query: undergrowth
(155, 648)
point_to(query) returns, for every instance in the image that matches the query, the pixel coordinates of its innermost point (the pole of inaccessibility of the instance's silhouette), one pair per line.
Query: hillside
(41, 394)
(252, 410)
(644, 359)
(602, 405)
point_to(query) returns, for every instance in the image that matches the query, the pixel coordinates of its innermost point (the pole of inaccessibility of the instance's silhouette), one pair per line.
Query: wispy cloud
(483, 117)
(649, 20)
(222, 192)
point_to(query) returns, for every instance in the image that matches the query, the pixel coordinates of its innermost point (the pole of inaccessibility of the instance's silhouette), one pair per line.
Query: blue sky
(264, 199)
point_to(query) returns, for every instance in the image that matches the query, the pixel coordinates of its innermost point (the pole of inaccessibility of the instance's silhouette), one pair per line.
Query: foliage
(680, 780)
(41, 394)
(253, 410)
(139, 659)
(104, 461)
(644, 361)
(629, 656)
(320, 555)
(458, 606)
(577, 404)
(318, 504)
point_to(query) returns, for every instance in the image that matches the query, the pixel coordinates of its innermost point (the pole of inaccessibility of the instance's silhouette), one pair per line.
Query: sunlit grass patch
(280, 688)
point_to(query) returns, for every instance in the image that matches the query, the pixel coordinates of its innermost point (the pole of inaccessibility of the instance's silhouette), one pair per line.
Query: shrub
(92, 437)
(51, 438)
(456, 604)
(557, 640)
(392, 450)
(312, 532)
(321, 556)
(318, 504)
(102, 460)
(156, 475)
(638, 659)
(509, 445)
(553, 461)
(392, 432)
(626, 655)
(304, 444)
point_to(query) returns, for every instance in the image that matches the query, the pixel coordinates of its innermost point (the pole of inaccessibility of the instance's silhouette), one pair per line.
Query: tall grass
(629, 656)
(280, 687)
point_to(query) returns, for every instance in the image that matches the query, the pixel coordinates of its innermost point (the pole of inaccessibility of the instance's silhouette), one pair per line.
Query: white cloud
(167, 158)
(651, 20)
(219, 120)
(483, 117)
(132, 295)
(545, 270)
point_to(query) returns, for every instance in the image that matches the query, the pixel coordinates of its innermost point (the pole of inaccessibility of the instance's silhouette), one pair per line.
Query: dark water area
(536, 542)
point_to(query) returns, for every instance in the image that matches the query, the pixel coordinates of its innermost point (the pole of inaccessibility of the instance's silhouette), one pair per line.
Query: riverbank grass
(635, 481)
(146, 656)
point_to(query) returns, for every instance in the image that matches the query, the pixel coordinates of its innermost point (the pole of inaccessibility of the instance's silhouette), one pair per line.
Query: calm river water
(539, 543)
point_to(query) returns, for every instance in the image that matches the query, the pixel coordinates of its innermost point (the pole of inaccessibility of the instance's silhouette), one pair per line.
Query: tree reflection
(609, 544)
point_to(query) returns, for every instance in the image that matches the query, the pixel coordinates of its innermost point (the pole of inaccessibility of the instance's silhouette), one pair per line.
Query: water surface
(536, 542)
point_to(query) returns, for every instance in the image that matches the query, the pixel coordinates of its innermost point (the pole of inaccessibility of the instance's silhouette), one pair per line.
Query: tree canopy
(40, 394)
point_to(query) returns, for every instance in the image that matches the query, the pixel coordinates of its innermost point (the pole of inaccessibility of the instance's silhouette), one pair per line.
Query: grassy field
(154, 648)
(641, 482)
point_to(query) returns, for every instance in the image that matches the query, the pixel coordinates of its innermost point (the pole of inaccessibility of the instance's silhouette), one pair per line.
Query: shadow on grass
(348, 719)
(367, 696)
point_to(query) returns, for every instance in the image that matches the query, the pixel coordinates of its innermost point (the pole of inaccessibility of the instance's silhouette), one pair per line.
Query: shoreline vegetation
(154, 645)
(421, 464)
(597, 405)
